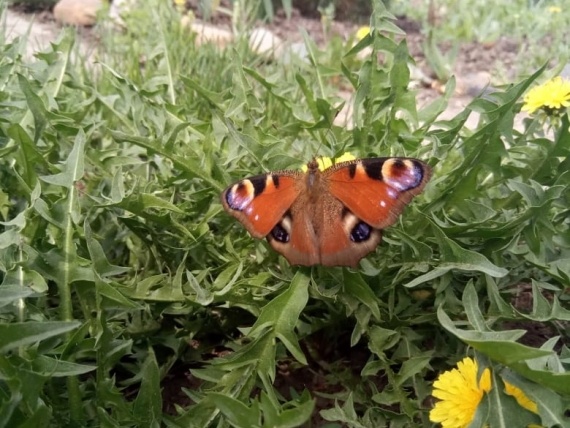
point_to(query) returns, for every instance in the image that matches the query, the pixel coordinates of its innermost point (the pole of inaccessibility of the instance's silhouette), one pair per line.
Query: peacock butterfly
(333, 217)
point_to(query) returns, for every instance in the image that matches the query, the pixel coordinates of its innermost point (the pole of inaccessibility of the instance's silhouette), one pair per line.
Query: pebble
(77, 12)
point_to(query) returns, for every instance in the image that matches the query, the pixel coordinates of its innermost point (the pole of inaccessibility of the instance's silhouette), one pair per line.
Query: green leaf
(52, 265)
(36, 106)
(147, 407)
(101, 265)
(19, 334)
(500, 346)
(356, 286)
(559, 382)
(455, 257)
(502, 410)
(8, 408)
(73, 168)
(282, 314)
(51, 367)
(11, 294)
(237, 413)
(551, 406)
(344, 413)
(274, 415)
(412, 367)
(382, 339)
(498, 305)
(471, 305)
(543, 310)
(41, 417)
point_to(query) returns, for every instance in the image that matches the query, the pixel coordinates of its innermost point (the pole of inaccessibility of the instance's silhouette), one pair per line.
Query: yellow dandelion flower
(345, 157)
(460, 394)
(552, 95)
(326, 162)
(554, 9)
(521, 397)
(362, 32)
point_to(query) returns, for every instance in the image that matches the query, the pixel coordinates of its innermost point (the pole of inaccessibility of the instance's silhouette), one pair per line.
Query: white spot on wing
(286, 223)
(256, 217)
(392, 193)
(383, 204)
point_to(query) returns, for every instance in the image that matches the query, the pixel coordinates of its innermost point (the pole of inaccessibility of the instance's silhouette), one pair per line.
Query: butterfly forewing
(260, 202)
(377, 190)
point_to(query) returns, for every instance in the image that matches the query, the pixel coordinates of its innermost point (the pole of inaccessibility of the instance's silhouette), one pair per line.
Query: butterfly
(333, 217)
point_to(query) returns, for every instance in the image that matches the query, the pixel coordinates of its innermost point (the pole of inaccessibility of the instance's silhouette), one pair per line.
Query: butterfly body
(332, 217)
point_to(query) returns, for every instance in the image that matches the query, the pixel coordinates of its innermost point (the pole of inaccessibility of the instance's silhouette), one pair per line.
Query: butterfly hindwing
(318, 229)
(260, 202)
(376, 190)
(346, 238)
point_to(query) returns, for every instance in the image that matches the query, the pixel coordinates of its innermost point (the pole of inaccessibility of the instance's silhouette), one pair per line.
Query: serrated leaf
(502, 410)
(497, 345)
(11, 294)
(36, 106)
(382, 339)
(296, 416)
(412, 367)
(559, 382)
(113, 293)
(498, 305)
(51, 367)
(147, 407)
(140, 202)
(344, 413)
(282, 314)
(19, 334)
(52, 265)
(73, 168)
(355, 285)
(236, 412)
(551, 406)
(101, 265)
(471, 305)
(155, 288)
(202, 295)
(453, 256)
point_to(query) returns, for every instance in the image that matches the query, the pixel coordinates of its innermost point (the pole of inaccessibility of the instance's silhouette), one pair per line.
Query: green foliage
(123, 280)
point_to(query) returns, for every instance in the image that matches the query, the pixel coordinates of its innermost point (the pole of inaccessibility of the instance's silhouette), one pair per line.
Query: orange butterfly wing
(377, 190)
(260, 202)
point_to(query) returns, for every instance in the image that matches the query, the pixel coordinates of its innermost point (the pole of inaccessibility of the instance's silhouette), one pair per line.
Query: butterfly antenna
(328, 132)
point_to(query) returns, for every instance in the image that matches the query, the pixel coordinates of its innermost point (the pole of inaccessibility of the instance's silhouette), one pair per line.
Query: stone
(206, 33)
(264, 42)
(77, 12)
(295, 51)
